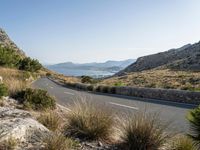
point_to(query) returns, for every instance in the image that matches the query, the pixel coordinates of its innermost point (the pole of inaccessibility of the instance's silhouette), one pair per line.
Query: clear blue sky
(97, 30)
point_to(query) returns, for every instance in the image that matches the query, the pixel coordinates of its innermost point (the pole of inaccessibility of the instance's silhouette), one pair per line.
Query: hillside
(5, 41)
(184, 58)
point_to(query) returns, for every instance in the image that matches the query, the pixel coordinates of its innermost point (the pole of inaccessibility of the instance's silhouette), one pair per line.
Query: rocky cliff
(184, 58)
(5, 41)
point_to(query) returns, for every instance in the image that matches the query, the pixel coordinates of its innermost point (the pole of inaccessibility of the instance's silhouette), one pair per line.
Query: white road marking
(136, 108)
(69, 93)
(47, 84)
(51, 87)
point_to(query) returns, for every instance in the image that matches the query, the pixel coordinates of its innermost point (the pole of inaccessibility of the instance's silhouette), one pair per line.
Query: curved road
(169, 111)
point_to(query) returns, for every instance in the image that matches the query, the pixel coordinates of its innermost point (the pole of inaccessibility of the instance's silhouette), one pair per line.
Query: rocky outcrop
(20, 125)
(186, 57)
(5, 41)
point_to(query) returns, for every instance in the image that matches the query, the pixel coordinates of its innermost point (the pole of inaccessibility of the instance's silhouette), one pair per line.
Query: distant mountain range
(185, 58)
(108, 66)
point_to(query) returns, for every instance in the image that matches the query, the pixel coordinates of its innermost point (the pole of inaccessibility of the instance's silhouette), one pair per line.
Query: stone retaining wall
(173, 95)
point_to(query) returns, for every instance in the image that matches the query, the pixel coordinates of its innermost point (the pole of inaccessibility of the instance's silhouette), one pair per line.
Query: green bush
(86, 79)
(3, 90)
(90, 87)
(9, 57)
(36, 99)
(48, 74)
(119, 83)
(29, 64)
(194, 120)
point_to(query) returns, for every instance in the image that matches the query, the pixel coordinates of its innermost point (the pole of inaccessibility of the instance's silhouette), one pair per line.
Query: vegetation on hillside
(10, 58)
(158, 78)
(15, 80)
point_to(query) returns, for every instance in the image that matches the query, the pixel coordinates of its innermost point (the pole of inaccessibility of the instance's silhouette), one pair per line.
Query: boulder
(20, 125)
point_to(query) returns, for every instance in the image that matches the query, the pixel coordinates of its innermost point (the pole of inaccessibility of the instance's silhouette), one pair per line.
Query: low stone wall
(173, 95)
(161, 94)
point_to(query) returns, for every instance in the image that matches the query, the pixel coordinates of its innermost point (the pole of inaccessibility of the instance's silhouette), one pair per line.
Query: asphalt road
(168, 111)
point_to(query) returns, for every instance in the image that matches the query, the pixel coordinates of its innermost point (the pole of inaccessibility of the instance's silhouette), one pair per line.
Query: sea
(79, 72)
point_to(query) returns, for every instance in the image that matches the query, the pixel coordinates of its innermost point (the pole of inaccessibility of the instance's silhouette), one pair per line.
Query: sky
(80, 31)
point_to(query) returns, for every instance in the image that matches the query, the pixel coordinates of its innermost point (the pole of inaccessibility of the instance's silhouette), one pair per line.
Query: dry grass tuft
(180, 142)
(89, 122)
(51, 120)
(14, 79)
(142, 131)
(56, 141)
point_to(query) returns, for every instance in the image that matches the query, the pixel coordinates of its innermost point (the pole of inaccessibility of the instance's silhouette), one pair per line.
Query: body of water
(78, 72)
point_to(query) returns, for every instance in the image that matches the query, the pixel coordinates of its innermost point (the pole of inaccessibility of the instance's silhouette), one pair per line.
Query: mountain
(184, 58)
(5, 41)
(108, 66)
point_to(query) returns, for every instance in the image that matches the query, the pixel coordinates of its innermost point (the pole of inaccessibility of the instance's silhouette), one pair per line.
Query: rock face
(19, 124)
(5, 41)
(184, 58)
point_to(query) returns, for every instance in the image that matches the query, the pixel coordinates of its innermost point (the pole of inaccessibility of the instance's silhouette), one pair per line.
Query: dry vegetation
(158, 79)
(89, 122)
(57, 141)
(14, 79)
(141, 131)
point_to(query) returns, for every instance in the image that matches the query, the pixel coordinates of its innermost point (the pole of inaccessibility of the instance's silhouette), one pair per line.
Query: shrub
(90, 87)
(9, 57)
(119, 83)
(36, 99)
(180, 143)
(194, 120)
(48, 74)
(142, 131)
(29, 64)
(86, 79)
(89, 122)
(51, 120)
(3, 90)
(56, 141)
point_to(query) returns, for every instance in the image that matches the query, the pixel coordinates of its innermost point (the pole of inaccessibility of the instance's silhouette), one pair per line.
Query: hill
(5, 41)
(184, 58)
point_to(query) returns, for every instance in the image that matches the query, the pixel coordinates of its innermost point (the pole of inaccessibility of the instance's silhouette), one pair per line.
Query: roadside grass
(88, 121)
(180, 142)
(142, 131)
(57, 141)
(51, 120)
(14, 79)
